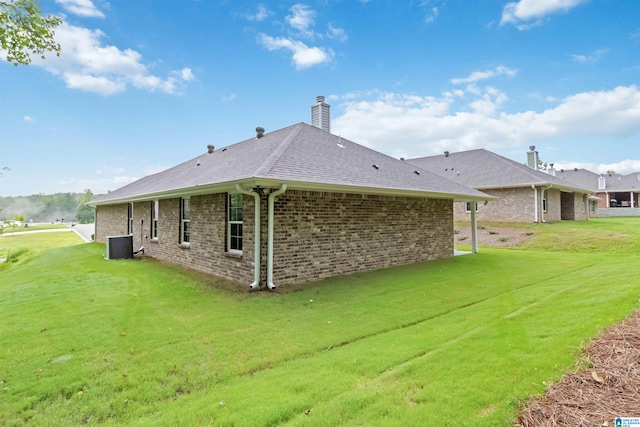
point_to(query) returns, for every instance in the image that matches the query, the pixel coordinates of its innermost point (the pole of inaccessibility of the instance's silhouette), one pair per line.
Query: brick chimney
(532, 158)
(320, 114)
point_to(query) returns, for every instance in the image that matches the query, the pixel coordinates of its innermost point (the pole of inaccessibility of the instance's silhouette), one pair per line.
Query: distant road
(83, 230)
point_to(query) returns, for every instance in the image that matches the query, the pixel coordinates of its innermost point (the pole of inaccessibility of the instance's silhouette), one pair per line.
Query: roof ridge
(271, 161)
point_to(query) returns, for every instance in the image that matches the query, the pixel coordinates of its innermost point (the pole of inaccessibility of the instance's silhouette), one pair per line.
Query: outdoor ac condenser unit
(119, 247)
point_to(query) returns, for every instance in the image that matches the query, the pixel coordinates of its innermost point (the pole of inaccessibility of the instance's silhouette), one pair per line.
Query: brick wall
(511, 205)
(207, 250)
(517, 205)
(320, 235)
(111, 221)
(316, 235)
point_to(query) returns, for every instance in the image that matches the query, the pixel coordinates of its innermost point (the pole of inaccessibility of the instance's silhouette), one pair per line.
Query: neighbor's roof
(301, 156)
(484, 170)
(612, 182)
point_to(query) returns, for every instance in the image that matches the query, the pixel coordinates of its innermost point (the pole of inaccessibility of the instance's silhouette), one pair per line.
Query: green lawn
(457, 342)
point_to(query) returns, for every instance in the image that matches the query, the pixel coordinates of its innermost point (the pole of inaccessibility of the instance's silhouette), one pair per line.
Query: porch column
(474, 228)
(631, 197)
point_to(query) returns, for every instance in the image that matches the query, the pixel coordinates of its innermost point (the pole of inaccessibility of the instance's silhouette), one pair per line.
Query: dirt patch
(607, 386)
(495, 236)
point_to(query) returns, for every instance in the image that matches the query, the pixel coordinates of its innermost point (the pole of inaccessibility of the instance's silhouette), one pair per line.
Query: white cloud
(186, 74)
(28, 119)
(337, 33)
(595, 56)
(261, 14)
(97, 186)
(477, 76)
(527, 13)
(302, 18)
(86, 64)
(228, 98)
(303, 55)
(623, 167)
(412, 126)
(84, 8)
(109, 169)
(432, 9)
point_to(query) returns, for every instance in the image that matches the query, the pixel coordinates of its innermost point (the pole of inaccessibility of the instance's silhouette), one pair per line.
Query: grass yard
(463, 341)
(21, 247)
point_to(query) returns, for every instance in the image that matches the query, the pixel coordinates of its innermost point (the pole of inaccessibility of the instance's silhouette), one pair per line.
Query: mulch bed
(594, 396)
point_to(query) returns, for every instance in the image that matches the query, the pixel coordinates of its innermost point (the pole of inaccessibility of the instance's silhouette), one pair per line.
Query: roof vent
(210, 148)
(375, 166)
(446, 154)
(416, 172)
(259, 132)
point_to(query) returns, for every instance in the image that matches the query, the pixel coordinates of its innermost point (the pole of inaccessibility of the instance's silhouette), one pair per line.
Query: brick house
(290, 206)
(523, 193)
(614, 194)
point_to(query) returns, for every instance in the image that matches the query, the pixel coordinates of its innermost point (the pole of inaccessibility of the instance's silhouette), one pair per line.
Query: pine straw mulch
(607, 388)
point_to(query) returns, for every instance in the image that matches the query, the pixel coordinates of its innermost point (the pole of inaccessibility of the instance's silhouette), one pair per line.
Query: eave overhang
(269, 183)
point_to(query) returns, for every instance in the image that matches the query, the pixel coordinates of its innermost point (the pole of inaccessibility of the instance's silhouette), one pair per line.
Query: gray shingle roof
(614, 182)
(300, 155)
(483, 170)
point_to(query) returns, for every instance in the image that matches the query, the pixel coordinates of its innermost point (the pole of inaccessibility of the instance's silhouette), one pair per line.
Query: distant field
(461, 342)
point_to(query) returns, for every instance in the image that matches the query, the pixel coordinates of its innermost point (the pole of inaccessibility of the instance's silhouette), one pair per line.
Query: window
(154, 219)
(185, 220)
(544, 200)
(467, 206)
(234, 223)
(130, 219)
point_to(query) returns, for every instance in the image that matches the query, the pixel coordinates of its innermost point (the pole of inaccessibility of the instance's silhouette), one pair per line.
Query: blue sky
(143, 85)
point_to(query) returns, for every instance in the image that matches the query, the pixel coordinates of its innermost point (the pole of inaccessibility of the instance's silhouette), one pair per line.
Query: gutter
(270, 220)
(256, 237)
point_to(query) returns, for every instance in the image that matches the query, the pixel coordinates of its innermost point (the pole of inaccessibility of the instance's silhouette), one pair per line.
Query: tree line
(50, 208)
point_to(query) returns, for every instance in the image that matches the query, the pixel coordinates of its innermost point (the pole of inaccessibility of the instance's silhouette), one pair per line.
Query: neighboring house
(612, 191)
(523, 194)
(285, 207)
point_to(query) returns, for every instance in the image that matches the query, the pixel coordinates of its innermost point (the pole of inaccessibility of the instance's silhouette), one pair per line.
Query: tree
(24, 30)
(85, 214)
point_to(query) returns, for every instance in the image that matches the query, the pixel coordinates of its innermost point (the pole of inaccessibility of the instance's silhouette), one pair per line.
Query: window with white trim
(467, 206)
(154, 219)
(234, 223)
(185, 220)
(130, 219)
(544, 200)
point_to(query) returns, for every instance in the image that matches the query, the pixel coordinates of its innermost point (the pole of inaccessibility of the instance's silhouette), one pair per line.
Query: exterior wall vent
(602, 183)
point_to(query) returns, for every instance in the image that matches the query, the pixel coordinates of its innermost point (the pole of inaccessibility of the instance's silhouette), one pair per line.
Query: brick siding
(320, 235)
(517, 205)
(316, 235)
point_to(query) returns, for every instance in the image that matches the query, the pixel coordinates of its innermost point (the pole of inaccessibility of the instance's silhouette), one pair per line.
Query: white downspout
(474, 227)
(543, 191)
(270, 220)
(535, 203)
(256, 237)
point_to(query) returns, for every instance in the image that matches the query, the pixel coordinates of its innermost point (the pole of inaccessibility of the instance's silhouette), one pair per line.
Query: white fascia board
(230, 187)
